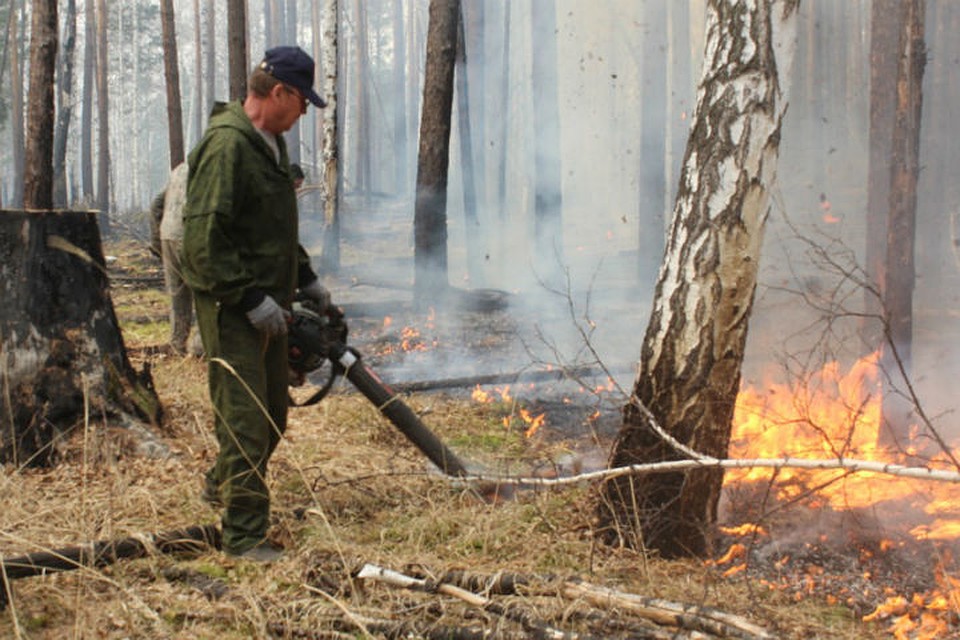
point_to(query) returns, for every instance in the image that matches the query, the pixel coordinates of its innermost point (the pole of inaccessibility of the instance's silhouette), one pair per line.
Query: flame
(830, 414)
(479, 395)
(533, 422)
(500, 394)
(838, 414)
(746, 529)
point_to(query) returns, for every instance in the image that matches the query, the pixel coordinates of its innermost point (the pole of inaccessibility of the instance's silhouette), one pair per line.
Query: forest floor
(348, 489)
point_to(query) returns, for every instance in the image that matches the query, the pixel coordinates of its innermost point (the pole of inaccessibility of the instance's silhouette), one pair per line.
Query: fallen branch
(661, 612)
(98, 554)
(664, 612)
(536, 627)
(391, 629)
(498, 378)
(669, 466)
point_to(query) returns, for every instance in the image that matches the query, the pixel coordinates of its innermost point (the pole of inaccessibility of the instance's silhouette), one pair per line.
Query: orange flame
(827, 415)
(533, 422)
(834, 414)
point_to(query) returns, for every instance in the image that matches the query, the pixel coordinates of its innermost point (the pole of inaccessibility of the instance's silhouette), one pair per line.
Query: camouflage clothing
(240, 244)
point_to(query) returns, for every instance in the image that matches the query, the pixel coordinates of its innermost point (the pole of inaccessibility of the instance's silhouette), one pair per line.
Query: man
(171, 238)
(242, 259)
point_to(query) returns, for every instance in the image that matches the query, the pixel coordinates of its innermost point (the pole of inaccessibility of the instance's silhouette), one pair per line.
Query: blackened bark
(64, 359)
(886, 18)
(902, 218)
(430, 216)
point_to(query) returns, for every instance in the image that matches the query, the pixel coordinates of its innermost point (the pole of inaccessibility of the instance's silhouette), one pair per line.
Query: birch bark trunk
(693, 349)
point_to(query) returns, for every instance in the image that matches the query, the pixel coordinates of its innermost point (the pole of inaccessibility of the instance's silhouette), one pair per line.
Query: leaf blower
(317, 336)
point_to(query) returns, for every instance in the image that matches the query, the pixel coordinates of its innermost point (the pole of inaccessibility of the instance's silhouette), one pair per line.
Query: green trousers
(248, 380)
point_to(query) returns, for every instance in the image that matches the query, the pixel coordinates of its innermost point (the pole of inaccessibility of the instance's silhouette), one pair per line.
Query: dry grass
(369, 497)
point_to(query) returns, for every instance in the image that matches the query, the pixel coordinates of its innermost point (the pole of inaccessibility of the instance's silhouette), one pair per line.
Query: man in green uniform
(242, 259)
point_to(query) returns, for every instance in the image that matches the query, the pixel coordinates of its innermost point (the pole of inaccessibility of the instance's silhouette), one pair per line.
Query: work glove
(318, 292)
(268, 317)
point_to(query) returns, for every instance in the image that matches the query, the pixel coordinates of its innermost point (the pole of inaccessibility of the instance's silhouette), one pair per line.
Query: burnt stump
(62, 356)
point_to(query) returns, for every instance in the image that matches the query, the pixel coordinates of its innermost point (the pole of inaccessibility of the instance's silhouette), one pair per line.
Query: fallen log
(535, 627)
(512, 377)
(105, 552)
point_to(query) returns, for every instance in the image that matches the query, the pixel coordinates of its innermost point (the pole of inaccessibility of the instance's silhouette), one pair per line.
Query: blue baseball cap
(292, 65)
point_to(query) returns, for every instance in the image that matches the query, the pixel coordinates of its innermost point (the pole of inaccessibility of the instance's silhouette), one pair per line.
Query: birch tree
(86, 119)
(689, 372)
(330, 137)
(64, 103)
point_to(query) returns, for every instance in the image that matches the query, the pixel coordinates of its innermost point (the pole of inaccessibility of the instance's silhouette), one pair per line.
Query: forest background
(625, 90)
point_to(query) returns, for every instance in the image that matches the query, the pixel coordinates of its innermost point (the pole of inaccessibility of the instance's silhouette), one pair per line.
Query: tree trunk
(884, 36)
(693, 349)
(901, 222)
(504, 122)
(16, 109)
(474, 19)
(548, 209)
(197, 123)
(363, 140)
(471, 223)
(86, 124)
(38, 175)
(237, 48)
(64, 104)
(400, 81)
(430, 215)
(64, 361)
(272, 21)
(290, 29)
(653, 177)
(103, 120)
(171, 72)
(332, 137)
(211, 58)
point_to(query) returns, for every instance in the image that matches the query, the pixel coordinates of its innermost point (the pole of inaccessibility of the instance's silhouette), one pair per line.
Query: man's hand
(317, 292)
(269, 317)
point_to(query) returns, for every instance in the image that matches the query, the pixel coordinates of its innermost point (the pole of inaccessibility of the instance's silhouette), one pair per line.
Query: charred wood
(105, 552)
(62, 356)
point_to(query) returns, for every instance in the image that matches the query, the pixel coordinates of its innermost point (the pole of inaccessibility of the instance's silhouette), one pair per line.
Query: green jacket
(240, 218)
